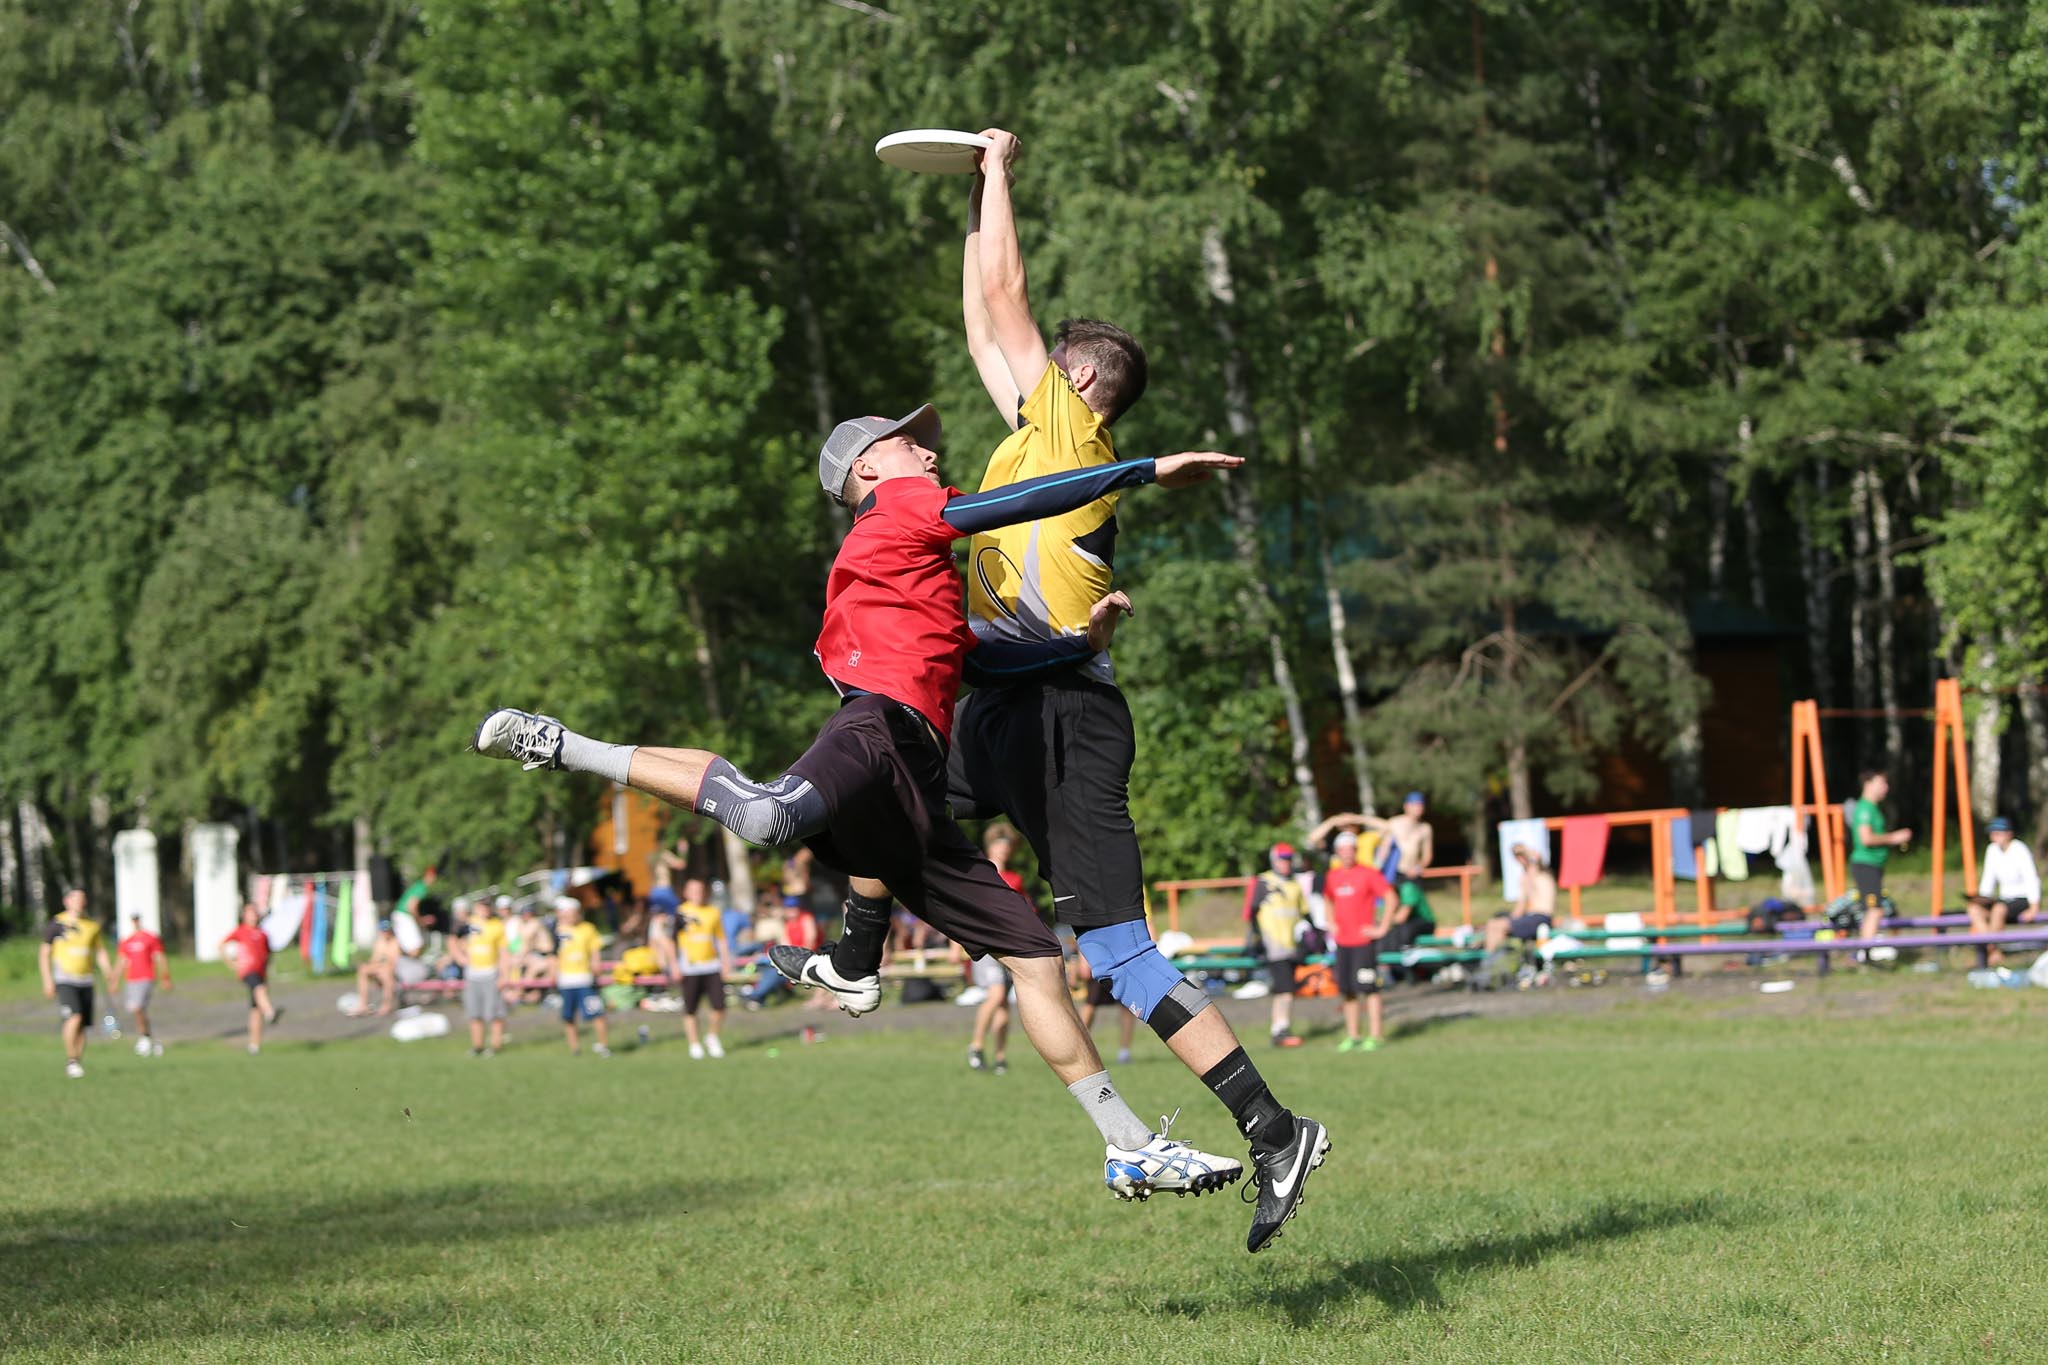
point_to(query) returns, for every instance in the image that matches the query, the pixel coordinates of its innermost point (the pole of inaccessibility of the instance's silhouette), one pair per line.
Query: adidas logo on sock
(1105, 1095)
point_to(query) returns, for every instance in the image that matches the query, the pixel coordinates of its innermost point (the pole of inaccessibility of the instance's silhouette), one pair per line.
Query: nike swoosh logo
(1285, 1189)
(1057, 899)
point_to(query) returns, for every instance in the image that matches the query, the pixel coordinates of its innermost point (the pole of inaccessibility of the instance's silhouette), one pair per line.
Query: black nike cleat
(1278, 1178)
(808, 970)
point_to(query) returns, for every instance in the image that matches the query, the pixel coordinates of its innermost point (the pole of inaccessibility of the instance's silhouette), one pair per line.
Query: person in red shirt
(1355, 894)
(869, 795)
(248, 952)
(143, 966)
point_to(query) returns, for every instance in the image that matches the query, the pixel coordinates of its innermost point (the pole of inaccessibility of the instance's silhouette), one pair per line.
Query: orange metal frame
(1464, 872)
(1948, 742)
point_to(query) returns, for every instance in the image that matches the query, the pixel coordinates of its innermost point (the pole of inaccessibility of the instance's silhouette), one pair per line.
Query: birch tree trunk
(1340, 645)
(1813, 572)
(1887, 622)
(1244, 519)
(1984, 737)
(2034, 719)
(35, 842)
(739, 872)
(1861, 675)
(1717, 533)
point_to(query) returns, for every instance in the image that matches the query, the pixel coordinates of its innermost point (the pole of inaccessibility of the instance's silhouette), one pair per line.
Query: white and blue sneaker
(813, 971)
(531, 741)
(1163, 1165)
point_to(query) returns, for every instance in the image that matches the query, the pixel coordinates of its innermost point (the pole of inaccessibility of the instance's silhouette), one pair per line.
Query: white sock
(583, 755)
(1112, 1117)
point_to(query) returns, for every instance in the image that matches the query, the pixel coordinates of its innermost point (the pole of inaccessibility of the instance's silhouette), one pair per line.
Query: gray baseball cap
(850, 438)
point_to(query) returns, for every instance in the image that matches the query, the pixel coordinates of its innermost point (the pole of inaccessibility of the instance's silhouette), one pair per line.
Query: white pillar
(137, 890)
(216, 889)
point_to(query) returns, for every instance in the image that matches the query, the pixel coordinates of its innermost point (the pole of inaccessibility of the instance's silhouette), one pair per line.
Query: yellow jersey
(484, 937)
(72, 940)
(1282, 906)
(1036, 582)
(576, 955)
(697, 932)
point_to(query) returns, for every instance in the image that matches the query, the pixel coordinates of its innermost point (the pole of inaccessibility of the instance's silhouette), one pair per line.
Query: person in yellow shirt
(1277, 905)
(574, 961)
(480, 946)
(71, 943)
(704, 958)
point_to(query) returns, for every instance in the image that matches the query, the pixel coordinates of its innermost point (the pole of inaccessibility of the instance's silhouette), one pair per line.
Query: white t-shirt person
(2010, 874)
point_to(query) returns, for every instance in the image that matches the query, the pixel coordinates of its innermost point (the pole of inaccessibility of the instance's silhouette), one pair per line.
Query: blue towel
(1682, 862)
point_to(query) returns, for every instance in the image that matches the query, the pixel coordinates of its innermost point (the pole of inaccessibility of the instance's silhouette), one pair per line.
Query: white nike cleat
(1163, 1165)
(1280, 1178)
(814, 971)
(531, 741)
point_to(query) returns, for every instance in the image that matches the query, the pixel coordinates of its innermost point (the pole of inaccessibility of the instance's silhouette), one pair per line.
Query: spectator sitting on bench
(2009, 892)
(381, 970)
(1534, 911)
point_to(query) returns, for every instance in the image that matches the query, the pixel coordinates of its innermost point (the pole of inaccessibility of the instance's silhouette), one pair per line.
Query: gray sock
(583, 755)
(1113, 1118)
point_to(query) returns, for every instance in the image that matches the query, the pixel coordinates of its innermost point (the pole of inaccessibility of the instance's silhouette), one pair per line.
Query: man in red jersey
(248, 952)
(869, 796)
(143, 966)
(1354, 893)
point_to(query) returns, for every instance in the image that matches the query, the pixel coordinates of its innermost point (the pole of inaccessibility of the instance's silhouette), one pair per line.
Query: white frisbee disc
(935, 151)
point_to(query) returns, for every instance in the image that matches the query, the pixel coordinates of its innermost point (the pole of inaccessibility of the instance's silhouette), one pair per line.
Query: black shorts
(1101, 991)
(1869, 881)
(883, 778)
(73, 999)
(1525, 926)
(252, 980)
(1358, 969)
(1056, 759)
(706, 986)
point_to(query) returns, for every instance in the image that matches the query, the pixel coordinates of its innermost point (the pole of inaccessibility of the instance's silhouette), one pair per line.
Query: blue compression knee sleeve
(1140, 977)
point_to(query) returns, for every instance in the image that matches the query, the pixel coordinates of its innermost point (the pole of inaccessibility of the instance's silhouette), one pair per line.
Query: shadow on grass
(1416, 1027)
(163, 1269)
(1407, 1283)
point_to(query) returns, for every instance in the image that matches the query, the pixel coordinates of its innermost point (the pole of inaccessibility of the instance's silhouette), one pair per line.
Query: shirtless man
(381, 970)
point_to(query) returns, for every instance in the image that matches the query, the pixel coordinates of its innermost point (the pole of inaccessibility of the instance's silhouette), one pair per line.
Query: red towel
(1585, 851)
(306, 929)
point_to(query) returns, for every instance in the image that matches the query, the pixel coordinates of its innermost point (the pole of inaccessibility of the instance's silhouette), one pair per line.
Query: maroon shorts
(882, 775)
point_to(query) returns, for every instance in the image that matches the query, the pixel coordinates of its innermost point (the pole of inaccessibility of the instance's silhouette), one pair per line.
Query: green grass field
(1667, 1179)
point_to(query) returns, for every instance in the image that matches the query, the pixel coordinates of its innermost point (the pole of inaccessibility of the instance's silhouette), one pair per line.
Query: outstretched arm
(1003, 388)
(1003, 291)
(998, 663)
(1051, 494)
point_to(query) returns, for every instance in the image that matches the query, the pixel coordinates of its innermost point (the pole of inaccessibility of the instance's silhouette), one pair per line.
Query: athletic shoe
(1252, 990)
(696, 1052)
(1278, 1180)
(714, 1047)
(1372, 1045)
(1163, 1164)
(254, 1049)
(142, 1047)
(1123, 1056)
(529, 740)
(275, 1015)
(600, 1050)
(1286, 1040)
(971, 997)
(476, 1052)
(974, 1060)
(1349, 1045)
(1002, 1067)
(813, 971)
(74, 1071)
(156, 1049)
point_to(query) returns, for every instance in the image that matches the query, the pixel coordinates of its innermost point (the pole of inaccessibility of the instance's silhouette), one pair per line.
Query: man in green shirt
(1869, 846)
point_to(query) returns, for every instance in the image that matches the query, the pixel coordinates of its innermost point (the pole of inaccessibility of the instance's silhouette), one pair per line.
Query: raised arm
(1004, 295)
(994, 662)
(1051, 494)
(1004, 390)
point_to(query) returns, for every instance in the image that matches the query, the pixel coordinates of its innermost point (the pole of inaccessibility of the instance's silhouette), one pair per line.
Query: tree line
(372, 363)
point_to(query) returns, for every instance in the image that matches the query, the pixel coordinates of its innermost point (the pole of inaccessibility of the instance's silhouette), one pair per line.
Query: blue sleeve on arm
(1046, 496)
(997, 663)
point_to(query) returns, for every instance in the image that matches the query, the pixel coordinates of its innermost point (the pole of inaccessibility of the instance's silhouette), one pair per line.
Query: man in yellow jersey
(479, 945)
(575, 965)
(71, 943)
(705, 961)
(1054, 752)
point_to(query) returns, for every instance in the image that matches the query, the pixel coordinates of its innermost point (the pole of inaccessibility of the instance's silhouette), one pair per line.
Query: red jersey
(801, 930)
(1013, 878)
(1352, 894)
(893, 619)
(139, 952)
(255, 954)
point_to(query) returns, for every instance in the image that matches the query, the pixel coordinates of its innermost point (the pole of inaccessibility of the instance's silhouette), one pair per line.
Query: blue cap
(1414, 796)
(1999, 825)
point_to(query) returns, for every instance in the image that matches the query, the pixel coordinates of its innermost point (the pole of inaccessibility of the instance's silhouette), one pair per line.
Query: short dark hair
(1863, 778)
(1119, 361)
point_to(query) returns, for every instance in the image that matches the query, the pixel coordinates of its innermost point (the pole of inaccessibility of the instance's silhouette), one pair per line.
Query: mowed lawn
(1670, 1179)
